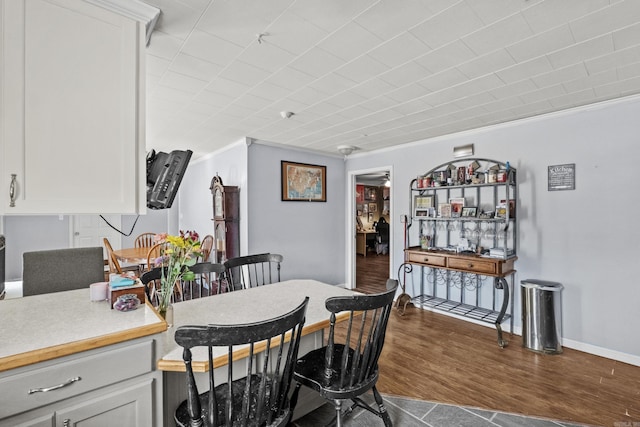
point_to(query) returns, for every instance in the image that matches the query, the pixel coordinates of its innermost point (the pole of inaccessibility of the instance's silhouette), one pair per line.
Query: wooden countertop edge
(49, 353)
(203, 366)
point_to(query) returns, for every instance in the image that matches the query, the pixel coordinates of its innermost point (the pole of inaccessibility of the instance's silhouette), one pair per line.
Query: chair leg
(294, 398)
(338, 405)
(383, 411)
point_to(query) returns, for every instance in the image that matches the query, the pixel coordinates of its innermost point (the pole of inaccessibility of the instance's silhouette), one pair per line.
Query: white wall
(585, 238)
(196, 203)
(26, 233)
(310, 235)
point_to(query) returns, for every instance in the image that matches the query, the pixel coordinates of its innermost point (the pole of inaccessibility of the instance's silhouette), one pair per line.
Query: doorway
(89, 230)
(370, 226)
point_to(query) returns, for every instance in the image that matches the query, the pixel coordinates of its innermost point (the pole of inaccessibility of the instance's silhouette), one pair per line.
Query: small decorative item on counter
(99, 291)
(127, 302)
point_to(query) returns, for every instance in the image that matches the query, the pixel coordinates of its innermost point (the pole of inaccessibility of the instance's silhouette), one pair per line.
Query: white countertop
(251, 305)
(42, 327)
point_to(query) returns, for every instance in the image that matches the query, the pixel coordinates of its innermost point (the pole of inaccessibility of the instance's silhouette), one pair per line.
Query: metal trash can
(541, 316)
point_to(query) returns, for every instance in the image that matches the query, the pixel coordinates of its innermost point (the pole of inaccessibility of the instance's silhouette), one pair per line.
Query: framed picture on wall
(370, 217)
(373, 207)
(303, 182)
(359, 193)
(370, 194)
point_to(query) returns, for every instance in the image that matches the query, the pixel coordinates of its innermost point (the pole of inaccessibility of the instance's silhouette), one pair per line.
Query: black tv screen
(164, 175)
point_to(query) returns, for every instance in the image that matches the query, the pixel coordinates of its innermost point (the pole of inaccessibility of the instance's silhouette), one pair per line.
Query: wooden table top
(132, 255)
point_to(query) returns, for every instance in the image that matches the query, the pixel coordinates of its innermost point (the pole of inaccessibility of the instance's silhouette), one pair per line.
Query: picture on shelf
(444, 210)
(422, 202)
(469, 212)
(457, 203)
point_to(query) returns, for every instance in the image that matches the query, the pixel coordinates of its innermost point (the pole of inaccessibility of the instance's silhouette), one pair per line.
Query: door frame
(350, 229)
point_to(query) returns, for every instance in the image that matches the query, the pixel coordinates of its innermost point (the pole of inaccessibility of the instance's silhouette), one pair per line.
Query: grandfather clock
(226, 220)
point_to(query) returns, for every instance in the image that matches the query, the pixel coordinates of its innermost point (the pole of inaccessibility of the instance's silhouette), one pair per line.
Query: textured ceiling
(375, 74)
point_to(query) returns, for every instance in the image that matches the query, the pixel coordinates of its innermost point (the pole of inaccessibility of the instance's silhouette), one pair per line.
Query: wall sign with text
(562, 177)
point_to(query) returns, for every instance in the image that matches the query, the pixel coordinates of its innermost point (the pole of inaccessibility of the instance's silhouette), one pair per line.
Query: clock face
(217, 204)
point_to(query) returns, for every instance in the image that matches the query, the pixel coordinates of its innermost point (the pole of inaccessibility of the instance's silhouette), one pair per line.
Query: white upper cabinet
(72, 130)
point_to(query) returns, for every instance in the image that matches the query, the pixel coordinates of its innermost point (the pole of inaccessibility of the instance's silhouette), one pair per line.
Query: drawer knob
(54, 387)
(426, 260)
(470, 265)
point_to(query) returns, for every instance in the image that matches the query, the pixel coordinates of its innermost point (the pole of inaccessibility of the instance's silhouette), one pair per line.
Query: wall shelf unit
(464, 213)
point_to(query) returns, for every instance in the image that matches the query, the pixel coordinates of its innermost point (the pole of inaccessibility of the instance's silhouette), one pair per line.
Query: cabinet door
(72, 109)
(129, 406)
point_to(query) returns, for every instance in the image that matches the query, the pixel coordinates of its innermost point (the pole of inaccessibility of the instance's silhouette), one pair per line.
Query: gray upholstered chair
(61, 270)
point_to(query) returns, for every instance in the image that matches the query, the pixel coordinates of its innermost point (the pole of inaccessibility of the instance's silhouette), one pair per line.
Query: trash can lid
(542, 284)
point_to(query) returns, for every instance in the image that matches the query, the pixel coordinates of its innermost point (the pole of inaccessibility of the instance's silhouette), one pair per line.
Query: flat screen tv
(164, 175)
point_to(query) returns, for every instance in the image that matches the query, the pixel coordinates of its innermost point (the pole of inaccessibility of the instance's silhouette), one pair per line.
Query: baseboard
(601, 351)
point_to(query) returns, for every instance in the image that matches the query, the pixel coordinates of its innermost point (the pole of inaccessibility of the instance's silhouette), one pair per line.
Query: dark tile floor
(417, 413)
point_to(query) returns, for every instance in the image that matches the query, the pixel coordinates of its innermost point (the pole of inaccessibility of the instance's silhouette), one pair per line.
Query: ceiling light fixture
(286, 114)
(346, 149)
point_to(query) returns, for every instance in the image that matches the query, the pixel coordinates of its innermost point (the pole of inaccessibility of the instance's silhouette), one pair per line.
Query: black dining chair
(261, 396)
(347, 367)
(152, 285)
(209, 280)
(251, 271)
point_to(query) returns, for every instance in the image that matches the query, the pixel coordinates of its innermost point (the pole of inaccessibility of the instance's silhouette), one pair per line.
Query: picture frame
(444, 210)
(423, 202)
(303, 182)
(457, 203)
(359, 193)
(469, 212)
(370, 194)
(373, 207)
(370, 217)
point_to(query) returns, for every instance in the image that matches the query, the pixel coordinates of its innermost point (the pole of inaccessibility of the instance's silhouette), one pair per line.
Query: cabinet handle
(426, 260)
(470, 265)
(55, 387)
(12, 191)
(66, 422)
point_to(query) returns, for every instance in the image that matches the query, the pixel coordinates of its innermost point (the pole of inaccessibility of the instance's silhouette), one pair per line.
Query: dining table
(132, 255)
(244, 306)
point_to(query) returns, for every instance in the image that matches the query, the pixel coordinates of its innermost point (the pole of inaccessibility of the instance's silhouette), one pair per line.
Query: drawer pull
(55, 387)
(470, 265)
(426, 260)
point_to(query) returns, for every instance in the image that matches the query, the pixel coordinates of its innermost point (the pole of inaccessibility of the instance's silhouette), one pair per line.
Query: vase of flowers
(178, 254)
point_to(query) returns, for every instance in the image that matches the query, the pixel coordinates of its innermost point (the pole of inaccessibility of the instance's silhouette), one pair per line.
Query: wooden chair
(347, 367)
(145, 240)
(114, 264)
(209, 280)
(260, 397)
(154, 253)
(253, 270)
(58, 270)
(206, 245)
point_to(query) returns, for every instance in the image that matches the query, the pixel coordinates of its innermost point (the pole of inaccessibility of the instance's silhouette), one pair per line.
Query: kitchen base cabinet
(113, 385)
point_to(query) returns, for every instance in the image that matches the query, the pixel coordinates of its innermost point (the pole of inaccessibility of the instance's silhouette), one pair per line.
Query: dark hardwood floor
(434, 357)
(372, 273)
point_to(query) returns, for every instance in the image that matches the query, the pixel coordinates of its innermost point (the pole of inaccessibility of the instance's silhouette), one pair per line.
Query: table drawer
(473, 265)
(79, 374)
(427, 258)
